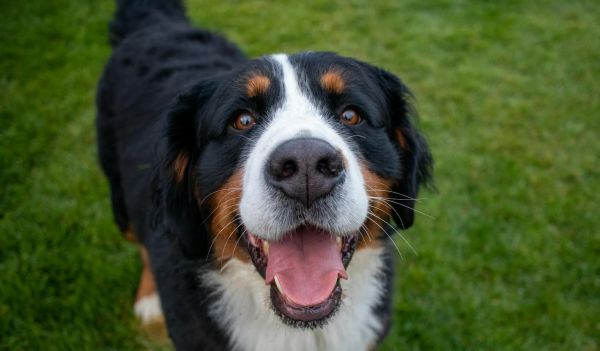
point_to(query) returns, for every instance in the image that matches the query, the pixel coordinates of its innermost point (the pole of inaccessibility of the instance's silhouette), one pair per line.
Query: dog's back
(156, 55)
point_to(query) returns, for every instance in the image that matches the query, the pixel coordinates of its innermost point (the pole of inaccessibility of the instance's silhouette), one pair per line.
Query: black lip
(258, 256)
(303, 316)
(306, 316)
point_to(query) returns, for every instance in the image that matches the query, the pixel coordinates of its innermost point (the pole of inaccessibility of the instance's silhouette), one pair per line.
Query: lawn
(508, 93)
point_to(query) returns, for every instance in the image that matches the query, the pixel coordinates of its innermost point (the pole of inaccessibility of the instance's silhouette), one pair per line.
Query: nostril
(330, 166)
(289, 168)
(282, 168)
(323, 166)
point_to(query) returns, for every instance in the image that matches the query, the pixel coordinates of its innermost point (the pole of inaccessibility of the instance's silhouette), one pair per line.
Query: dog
(261, 190)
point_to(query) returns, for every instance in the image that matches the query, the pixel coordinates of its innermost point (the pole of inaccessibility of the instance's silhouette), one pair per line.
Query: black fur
(156, 58)
(132, 15)
(169, 90)
(417, 163)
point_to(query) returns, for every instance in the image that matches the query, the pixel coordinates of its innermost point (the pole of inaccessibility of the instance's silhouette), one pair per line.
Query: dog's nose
(305, 169)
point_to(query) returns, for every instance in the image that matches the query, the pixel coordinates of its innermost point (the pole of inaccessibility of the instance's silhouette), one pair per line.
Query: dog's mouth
(303, 269)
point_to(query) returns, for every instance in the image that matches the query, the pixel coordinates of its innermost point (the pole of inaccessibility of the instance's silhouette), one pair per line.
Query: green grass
(508, 93)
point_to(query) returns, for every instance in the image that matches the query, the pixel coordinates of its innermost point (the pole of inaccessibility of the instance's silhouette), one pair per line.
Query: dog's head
(293, 162)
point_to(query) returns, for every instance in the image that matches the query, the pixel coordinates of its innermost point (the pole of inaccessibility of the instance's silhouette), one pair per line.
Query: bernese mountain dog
(261, 191)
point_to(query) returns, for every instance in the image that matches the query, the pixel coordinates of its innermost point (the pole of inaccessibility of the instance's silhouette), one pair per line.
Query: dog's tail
(132, 15)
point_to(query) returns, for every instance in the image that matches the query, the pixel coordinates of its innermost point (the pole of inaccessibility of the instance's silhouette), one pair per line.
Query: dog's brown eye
(243, 121)
(350, 116)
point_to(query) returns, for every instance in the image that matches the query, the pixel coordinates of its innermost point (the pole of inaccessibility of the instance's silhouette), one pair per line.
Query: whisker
(406, 241)
(363, 226)
(226, 241)
(397, 193)
(386, 233)
(391, 226)
(424, 214)
(372, 181)
(214, 192)
(397, 199)
(388, 205)
(219, 233)
(368, 233)
(237, 197)
(363, 237)
(217, 207)
(384, 201)
(236, 243)
(390, 191)
(228, 213)
(386, 198)
(231, 221)
(372, 189)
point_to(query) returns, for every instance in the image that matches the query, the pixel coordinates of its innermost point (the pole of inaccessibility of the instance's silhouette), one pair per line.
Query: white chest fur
(242, 309)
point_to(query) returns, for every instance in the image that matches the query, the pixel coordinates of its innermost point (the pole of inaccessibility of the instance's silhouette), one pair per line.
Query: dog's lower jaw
(242, 308)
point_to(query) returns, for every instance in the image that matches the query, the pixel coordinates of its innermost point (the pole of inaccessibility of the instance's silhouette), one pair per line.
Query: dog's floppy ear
(416, 160)
(180, 196)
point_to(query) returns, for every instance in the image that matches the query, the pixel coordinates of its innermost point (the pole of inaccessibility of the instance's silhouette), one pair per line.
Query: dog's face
(292, 163)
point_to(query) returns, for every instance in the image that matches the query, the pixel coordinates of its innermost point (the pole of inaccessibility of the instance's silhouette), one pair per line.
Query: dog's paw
(148, 309)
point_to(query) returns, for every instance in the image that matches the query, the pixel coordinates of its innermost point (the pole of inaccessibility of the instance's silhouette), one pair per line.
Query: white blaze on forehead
(295, 101)
(297, 117)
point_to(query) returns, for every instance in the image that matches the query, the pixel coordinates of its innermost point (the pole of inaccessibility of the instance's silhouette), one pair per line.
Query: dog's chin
(306, 316)
(309, 294)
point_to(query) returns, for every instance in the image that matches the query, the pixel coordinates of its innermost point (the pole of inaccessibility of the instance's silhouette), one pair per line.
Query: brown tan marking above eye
(333, 82)
(243, 121)
(349, 116)
(257, 85)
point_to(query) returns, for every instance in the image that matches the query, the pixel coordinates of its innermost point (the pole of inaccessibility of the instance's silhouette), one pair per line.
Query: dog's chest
(242, 308)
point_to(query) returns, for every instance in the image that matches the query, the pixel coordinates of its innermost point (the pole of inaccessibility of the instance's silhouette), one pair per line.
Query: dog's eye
(243, 121)
(350, 116)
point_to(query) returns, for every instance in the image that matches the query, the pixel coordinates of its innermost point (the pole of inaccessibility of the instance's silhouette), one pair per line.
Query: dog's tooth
(338, 241)
(279, 286)
(266, 247)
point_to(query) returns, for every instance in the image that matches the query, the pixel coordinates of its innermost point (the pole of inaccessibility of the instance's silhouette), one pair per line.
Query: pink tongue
(307, 266)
